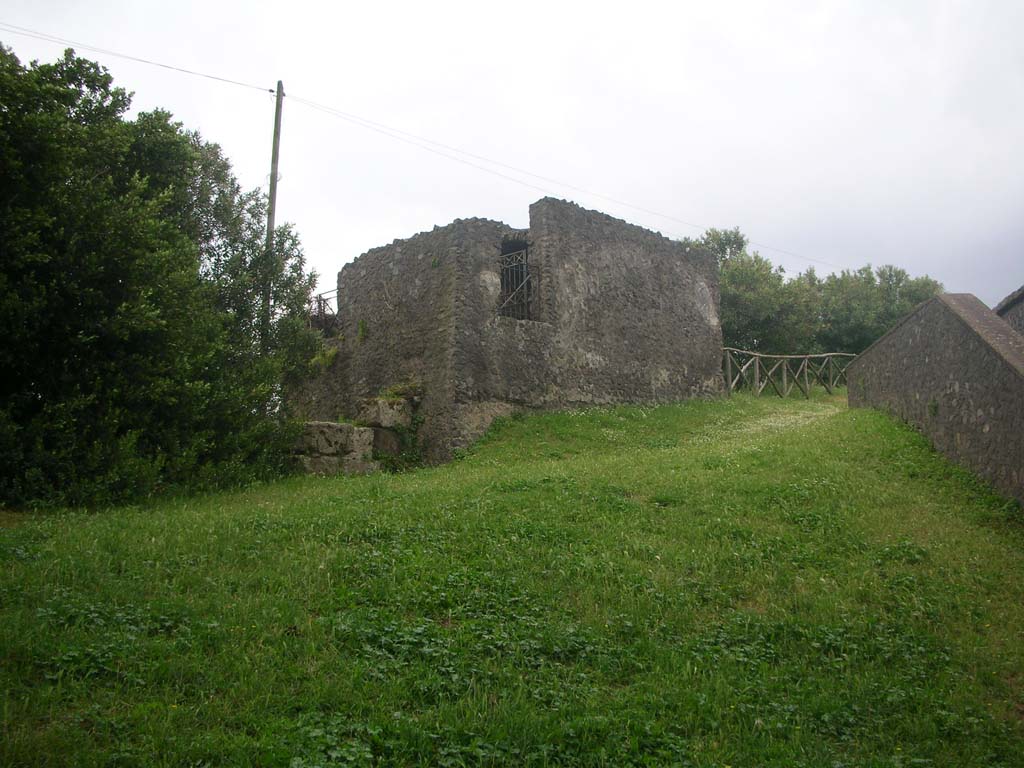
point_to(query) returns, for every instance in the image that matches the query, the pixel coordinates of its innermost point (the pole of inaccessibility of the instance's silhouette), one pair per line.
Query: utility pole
(271, 210)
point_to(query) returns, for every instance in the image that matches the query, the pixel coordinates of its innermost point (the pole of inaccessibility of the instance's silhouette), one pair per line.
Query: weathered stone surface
(622, 314)
(361, 441)
(328, 448)
(331, 438)
(1011, 309)
(386, 442)
(474, 419)
(322, 395)
(618, 314)
(320, 465)
(955, 371)
(388, 413)
(323, 437)
(353, 464)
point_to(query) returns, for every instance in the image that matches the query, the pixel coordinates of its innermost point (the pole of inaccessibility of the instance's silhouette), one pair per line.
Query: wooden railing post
(829, 371)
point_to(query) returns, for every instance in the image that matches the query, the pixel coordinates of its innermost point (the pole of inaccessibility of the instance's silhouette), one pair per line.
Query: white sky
(852, 133)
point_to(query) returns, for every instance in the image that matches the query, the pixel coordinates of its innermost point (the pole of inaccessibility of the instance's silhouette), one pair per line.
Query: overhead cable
(64, 41)
(429, 145)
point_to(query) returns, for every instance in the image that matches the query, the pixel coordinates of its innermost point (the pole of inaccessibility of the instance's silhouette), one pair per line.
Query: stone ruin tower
(482, 320)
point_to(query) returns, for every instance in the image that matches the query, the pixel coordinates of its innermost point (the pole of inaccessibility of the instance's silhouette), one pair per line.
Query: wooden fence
(756, 372)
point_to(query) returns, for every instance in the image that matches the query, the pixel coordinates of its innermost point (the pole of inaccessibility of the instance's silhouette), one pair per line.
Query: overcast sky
(848, 133)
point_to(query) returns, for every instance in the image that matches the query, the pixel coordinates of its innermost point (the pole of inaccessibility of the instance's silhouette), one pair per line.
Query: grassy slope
(746, 582)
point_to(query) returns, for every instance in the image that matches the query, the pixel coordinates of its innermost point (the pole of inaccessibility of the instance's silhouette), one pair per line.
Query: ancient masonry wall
(619, 314)
(955, 371)
(395, 313)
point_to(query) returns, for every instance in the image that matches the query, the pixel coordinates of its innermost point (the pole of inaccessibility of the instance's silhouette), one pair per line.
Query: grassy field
(732, 583)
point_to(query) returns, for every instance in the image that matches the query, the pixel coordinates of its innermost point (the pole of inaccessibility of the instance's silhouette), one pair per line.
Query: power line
(402, 136)
(25, 32)
(429, 145)
(368, 122)
(421, 142)
(395, 135)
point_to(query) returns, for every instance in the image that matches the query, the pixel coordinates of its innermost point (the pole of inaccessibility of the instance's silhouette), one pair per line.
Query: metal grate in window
(516, 291)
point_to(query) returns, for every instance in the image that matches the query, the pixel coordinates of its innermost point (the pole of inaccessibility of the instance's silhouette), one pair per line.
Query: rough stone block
(360, 441)
(358, 465)
(331, 439)
(324, 437)
(328, 448)
(386, 413)
(386, 442)
(321, 465)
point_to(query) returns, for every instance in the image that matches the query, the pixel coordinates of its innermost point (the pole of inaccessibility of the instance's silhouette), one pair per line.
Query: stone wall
(396, 325)
(954, 371)
(329, 448)
(1011, 309)
(619, 314)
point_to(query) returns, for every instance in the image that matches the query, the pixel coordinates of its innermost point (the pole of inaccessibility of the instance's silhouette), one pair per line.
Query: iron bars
(516, 291)
(323, 313)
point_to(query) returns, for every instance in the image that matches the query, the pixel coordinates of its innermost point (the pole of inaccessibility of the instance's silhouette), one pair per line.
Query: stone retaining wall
(955, 371)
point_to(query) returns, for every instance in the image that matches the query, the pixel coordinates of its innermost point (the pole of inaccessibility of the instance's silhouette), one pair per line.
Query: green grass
(744, 582)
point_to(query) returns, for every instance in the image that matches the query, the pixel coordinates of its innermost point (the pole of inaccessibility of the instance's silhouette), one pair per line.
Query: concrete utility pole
(271, 210)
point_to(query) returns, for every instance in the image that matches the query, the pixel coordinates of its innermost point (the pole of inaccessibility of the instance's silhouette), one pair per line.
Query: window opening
(516, 289)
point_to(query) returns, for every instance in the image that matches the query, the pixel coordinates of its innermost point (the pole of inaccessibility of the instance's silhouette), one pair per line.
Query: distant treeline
(763, 311)
(138, 352)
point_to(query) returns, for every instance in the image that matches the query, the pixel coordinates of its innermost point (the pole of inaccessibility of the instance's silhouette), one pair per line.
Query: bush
(132, 359)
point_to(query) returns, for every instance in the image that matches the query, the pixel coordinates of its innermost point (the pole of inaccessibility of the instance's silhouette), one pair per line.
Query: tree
(760, 310)
(725, 243)
(851, 310)
(123, 299)
(101, 313)
(763, 311)
(228, 227)
(751, 302)
(802, 314)
(900, 293)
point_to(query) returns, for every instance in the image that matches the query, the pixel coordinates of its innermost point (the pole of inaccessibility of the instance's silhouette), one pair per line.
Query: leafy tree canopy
(130, 266)
(763, 311)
